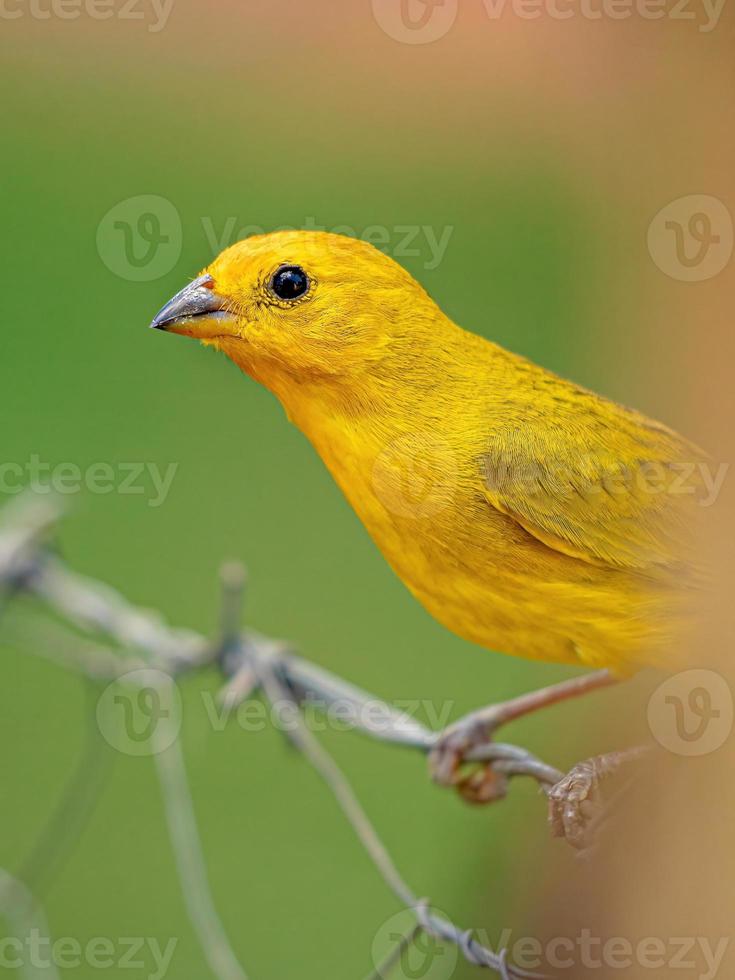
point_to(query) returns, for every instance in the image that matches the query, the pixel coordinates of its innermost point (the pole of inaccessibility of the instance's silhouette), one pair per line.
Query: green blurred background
(507, 133)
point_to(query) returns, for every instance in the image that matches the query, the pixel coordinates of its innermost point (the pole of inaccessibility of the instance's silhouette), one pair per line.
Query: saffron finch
(527, 514)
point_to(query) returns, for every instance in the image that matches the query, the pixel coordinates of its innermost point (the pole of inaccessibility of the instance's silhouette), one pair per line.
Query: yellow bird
(527, 514)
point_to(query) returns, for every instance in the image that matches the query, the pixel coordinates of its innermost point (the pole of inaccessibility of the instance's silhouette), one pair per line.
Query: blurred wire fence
(96, 632)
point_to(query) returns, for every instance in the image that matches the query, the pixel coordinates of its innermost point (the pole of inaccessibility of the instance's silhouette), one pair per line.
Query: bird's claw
(575, 804)
(476, 782)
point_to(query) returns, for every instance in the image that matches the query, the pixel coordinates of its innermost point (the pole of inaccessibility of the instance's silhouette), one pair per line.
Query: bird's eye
(289, 282)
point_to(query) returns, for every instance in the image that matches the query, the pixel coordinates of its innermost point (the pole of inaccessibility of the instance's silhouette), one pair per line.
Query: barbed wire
(250, 663)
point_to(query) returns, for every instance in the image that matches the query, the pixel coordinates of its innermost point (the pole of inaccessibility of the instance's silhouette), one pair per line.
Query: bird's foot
(576, 806)
(575, 803)
(481, 780)
(449, 765)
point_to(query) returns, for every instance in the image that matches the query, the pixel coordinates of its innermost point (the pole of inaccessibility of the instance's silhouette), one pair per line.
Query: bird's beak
(197, 311)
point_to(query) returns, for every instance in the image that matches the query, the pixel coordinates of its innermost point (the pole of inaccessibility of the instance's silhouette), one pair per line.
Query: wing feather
(596, 481)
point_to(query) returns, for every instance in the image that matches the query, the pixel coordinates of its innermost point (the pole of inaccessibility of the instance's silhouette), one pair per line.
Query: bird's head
(296, 308)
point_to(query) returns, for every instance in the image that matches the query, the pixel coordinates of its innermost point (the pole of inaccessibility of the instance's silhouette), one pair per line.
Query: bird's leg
(575, 803)
(480, 784)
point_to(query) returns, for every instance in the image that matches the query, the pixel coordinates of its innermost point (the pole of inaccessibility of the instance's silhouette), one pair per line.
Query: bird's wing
(596, 482)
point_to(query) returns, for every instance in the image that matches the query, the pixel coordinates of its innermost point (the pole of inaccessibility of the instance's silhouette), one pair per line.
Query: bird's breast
(475, 569)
